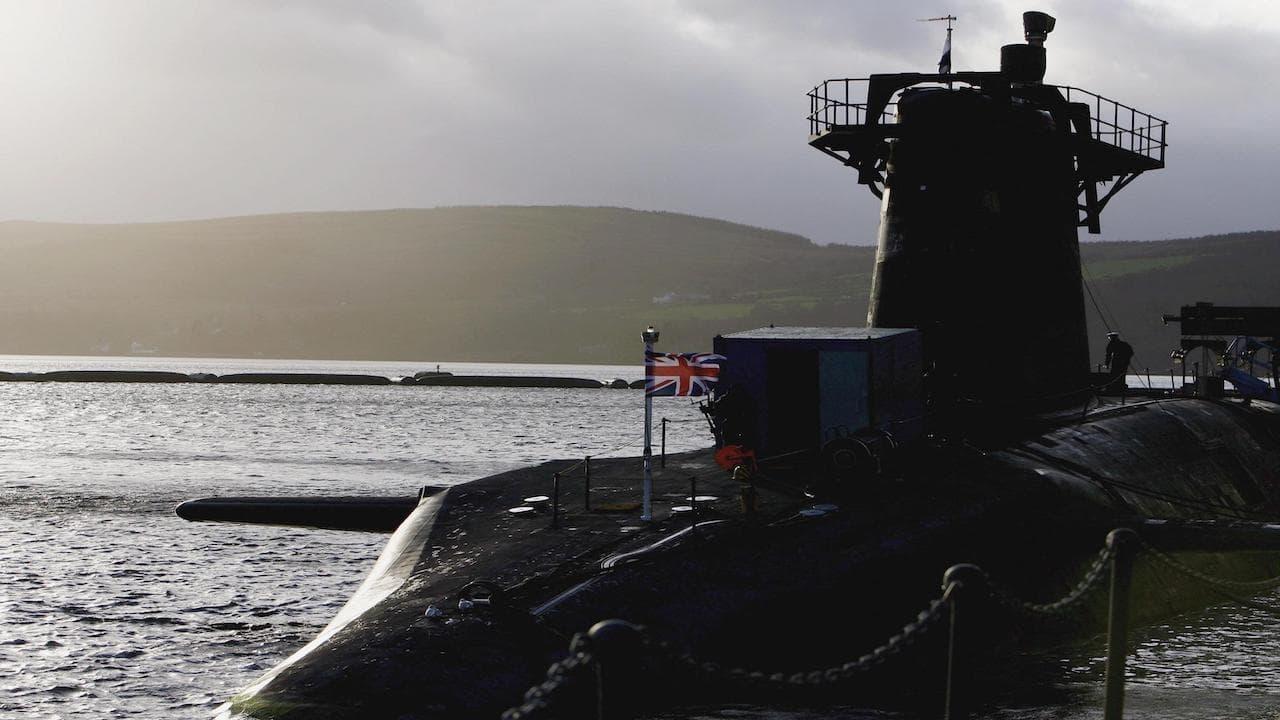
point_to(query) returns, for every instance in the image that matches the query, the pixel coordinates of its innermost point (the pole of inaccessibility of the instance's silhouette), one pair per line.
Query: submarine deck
(501, 511)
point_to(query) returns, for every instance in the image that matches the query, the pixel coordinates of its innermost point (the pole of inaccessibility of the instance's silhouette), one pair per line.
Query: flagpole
(950, 19)
(650, 336)
(944, 63)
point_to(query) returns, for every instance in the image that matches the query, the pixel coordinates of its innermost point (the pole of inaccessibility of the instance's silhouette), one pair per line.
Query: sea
(113, 607)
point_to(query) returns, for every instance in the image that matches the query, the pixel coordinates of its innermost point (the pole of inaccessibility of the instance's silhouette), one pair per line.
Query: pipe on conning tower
(1026, 63)
(978, 248)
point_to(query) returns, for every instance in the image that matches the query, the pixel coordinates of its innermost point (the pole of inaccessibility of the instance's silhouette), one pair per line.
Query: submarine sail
(983, 186)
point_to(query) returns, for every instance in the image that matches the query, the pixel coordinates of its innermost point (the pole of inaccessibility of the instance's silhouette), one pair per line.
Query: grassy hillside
(502, 283)
(1135, 282)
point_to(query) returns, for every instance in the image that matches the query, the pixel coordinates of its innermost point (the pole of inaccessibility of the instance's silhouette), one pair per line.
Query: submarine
(962, 424)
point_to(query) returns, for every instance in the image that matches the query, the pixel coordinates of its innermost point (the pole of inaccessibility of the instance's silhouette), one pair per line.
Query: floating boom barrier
(431, 379)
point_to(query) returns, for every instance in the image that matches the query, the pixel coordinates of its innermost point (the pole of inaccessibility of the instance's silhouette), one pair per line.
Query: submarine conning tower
(984, 178)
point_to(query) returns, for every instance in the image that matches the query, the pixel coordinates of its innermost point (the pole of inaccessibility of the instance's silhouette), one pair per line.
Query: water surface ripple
(112, 607)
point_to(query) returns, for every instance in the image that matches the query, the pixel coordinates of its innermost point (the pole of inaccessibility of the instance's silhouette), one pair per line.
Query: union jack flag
(680, 374)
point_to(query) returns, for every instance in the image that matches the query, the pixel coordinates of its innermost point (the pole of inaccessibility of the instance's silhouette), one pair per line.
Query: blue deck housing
(809, 385)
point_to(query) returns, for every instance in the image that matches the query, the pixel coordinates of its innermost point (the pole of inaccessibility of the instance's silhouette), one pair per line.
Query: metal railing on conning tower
(1120, 125)
(832, 107)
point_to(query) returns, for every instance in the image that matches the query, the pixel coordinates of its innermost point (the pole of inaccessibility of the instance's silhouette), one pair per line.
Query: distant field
(541, 284)
(1100, 270)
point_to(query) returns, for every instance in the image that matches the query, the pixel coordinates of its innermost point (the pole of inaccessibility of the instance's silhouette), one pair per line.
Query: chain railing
(562, 677)
(595, 658)
(905, 638)
(1091, 582)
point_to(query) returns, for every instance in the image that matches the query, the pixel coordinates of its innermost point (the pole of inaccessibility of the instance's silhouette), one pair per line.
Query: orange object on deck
(731, 456)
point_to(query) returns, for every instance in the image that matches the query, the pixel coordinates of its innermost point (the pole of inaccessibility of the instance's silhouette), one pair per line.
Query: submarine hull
(781, 590)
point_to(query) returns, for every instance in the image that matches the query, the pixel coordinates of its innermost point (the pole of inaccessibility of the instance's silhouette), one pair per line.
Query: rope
(583, 461)
(1089, 281)
(1093, 391)
(623, 446)
(1246, 585)
(1220, 586)
(1222, 511)
(601, 453)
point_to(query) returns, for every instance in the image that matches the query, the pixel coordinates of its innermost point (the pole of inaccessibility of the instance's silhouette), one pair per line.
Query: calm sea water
(111, 606)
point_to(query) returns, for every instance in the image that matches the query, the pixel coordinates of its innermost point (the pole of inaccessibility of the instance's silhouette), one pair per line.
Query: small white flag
(944, 63)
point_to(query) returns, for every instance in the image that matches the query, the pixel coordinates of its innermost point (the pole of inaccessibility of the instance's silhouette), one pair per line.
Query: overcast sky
(127, 111)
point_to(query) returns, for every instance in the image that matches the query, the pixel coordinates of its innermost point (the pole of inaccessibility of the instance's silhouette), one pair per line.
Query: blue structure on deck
(809, 386)
(1241, 362)
(1253, 345)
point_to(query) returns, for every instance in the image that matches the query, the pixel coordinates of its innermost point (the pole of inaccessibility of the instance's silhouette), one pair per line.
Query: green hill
(503, 283)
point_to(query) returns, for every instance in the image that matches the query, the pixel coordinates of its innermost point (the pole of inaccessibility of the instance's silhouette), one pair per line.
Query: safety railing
(1120, 125)
(582, 468)
(841, 102)
(832, 104)
(596, 677)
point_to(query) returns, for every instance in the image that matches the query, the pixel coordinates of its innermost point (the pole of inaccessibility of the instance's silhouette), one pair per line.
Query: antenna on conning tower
(949, 18)
(944, 62)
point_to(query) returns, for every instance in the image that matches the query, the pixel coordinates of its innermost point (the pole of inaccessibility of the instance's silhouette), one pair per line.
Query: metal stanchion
(555, 500)
(586, 483)
(1123, 542)
(960, 581)
(663, 461)
(650, 336)
(617, 646)
(693, 499)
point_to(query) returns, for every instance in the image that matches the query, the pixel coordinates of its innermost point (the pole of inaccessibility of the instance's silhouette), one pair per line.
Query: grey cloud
(135, 111)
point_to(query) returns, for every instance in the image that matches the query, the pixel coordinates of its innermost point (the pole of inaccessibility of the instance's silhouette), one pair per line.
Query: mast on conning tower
(944, 62)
